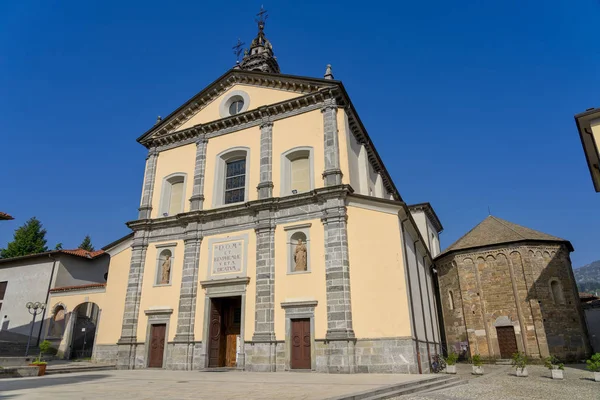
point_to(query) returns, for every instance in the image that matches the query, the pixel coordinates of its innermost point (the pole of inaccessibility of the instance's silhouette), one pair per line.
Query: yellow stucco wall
(303, 286)
(160, 296)
(595, 126)
(111, 302)
(305, 130)
(378, 288)
(179, 159)
(259, 96)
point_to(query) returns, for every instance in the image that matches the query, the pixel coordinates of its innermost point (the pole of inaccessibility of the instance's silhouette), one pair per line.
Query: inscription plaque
(227, 257)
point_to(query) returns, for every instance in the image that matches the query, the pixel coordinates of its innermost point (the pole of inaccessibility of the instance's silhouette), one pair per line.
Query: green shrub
(593, 364)
(476, 360)
(553, 363)
(45, 346)
(519, 360)
(452, 358)
(38, 362)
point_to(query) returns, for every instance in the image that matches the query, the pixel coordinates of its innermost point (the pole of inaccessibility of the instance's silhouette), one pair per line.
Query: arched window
(297, 171)
(231, 180)
(58, 322)
(164, 266)
(557, 292)
(173, 195)
(451, 299)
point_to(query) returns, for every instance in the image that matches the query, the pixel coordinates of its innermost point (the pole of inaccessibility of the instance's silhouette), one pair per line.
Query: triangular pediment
(262, 89)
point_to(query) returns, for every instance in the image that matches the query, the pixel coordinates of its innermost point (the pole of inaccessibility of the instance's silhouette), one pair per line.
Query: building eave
(430, 213)
(590, 147)
(495, 245)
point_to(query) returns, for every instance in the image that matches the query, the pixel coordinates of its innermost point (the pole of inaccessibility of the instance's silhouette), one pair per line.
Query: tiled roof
(494, 230)
(78, 287)
(5, 216)
(587, 296)
(83, 253)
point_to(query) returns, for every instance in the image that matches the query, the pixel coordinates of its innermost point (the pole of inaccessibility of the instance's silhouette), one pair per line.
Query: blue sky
(470, 104)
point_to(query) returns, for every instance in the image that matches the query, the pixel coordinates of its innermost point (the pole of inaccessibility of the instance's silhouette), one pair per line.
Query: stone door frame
(304, 309)
(219, 288)
(157, 316)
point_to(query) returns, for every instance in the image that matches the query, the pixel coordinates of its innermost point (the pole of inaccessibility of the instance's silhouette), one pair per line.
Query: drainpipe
(47, 298)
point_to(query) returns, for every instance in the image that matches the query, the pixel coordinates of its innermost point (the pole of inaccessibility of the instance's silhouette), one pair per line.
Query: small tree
(452, 358)
(593, 364)
(519, 360)
(477, 361)
(28, 239)
(58, 246)
(553, 363)
(87, 244)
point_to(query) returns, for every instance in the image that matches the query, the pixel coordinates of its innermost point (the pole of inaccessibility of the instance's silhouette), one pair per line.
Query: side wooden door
(300, 344)
(157, 345)
(507, 341)
(215, 329)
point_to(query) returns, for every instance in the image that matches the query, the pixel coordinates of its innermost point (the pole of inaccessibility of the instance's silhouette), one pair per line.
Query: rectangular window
(176, 198)
(300, 174)
(235, 181)
(3, 289)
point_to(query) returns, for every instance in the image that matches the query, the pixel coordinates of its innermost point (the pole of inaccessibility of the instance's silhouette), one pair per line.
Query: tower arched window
(451, 299)
(557, 291)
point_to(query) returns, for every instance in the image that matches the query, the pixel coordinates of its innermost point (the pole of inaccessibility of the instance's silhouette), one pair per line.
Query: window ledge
(298, 272)
(162, 284)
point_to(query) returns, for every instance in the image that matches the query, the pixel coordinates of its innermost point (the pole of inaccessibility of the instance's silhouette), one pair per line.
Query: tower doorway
(224, 331)
(507, 341)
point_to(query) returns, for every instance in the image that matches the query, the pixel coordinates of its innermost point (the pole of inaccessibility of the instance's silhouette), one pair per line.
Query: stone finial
(158, 120)
(328, 73)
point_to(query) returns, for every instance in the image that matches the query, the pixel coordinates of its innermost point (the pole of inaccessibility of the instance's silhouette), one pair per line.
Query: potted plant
(451, 362)
(555, 366)
(519, 361)
(593, 364)
(45, 347)
(477, 365)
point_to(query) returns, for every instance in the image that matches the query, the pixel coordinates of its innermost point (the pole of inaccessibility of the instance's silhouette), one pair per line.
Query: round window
(236, 106)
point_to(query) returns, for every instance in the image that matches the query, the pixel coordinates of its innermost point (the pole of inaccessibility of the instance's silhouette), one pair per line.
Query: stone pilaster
(264, 326)
(332, 174)
(149, 176)
(182, 351)
(340, 334)
(197, 199)
(265, 186)
(128, 340)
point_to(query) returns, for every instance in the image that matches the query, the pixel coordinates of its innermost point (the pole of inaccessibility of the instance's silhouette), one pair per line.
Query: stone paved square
(162, 384)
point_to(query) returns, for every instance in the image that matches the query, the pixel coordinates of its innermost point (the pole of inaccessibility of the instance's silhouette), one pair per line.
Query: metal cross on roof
(237, 49)
(262, 16)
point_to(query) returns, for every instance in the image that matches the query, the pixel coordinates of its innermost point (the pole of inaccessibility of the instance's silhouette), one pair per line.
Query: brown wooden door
(507, 341)
(157, 345)
(215, 356)
(300, 344)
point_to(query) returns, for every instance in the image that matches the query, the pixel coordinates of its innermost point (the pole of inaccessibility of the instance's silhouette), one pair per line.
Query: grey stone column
(340, 334)
(197, 199)
(149, 176)
(182, 352)
(262, 352)
(265, 186)
(128, 340)
(332, 174)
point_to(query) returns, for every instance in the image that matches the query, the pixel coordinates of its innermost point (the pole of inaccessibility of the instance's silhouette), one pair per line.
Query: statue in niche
(300, 256)
(166, 270)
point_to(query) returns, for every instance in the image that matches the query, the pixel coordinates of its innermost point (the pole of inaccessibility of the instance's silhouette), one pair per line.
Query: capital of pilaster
(266, 125)
(202, 140)
(153, 152)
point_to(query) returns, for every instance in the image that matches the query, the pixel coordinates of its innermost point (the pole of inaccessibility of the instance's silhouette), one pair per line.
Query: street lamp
(34, 309)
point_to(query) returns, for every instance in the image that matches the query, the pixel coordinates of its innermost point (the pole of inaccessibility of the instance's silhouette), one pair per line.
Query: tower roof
(260, 56)
(494, 230)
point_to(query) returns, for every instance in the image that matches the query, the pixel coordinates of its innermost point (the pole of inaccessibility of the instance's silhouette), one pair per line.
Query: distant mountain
(588, 277)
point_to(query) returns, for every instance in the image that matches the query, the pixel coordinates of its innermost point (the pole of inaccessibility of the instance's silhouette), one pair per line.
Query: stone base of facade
(106, 353)
(384, 355)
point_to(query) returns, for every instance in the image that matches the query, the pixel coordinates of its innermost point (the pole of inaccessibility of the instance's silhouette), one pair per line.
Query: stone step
(399, 389)
(451, 384)
(69, 369)
(16, 361)
(504, 362)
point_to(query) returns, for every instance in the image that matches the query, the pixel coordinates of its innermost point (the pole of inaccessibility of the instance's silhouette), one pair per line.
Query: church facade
(270, 237)
(505, 288)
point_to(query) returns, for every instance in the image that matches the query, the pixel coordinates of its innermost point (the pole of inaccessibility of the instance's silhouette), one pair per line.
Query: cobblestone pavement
(499, 382)
(160, 384)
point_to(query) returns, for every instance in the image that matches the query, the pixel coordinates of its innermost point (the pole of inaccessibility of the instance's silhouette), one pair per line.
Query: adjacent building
(588, 124)
(270, 237)
(506, 288)
(30, 279)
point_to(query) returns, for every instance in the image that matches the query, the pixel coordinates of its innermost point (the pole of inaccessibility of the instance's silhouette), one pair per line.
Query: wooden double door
(224, 329)
(507, 341)
(157, 345)
(300, 344)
